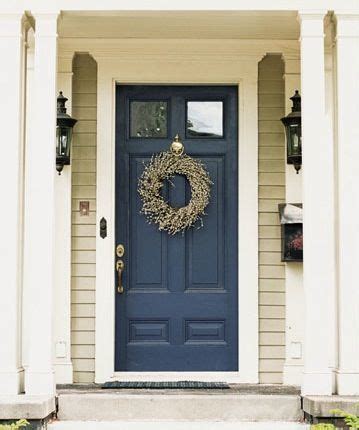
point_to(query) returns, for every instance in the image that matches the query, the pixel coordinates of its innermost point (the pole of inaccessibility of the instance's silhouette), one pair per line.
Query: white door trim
(159, 70)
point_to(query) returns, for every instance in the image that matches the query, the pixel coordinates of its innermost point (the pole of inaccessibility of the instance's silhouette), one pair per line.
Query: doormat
(180, 385)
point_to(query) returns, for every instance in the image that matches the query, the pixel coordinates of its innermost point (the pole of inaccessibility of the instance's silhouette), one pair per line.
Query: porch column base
(63, 373)
(348, 383)
(11, 382)
(34, 408)
(293, 374)
(320, 384)
(40, 383)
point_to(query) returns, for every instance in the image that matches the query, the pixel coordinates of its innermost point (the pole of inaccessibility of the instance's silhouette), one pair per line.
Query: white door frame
(149, 61)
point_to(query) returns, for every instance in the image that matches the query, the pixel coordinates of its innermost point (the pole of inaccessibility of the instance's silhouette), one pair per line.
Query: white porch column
(40, 227)
(11, 114)
(26, 303)
(294, 297)
(347, 50)
(318, 211)
(62, 282)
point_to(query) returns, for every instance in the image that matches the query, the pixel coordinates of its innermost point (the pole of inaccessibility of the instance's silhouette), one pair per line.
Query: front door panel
(178, 311)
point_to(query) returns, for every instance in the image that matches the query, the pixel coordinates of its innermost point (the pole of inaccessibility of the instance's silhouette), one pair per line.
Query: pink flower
(297, 242)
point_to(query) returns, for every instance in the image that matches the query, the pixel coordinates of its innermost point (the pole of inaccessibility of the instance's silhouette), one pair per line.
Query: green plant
(322, 427)
(352, 421)
(14, 426)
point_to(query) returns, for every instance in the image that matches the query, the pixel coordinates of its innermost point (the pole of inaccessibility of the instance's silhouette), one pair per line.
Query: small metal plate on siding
(84, 208)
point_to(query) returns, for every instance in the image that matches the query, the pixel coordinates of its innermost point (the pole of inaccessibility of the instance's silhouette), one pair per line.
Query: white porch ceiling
(181, 25)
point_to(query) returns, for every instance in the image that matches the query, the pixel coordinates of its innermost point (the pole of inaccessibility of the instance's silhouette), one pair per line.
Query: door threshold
(227, 377)
(170, 385)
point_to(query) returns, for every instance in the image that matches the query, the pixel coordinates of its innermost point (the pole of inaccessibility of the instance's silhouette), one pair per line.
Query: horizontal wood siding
(84, 101)
(271, 193)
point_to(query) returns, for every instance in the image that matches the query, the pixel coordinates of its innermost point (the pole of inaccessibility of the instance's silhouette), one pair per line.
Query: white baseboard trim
(293, 374)
(348, 383)
(40, 383)
(12, 382)
(63, 373)
(318, 383)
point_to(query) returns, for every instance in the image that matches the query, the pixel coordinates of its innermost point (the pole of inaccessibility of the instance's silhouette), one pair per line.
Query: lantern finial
(61, 101)
(297, 102)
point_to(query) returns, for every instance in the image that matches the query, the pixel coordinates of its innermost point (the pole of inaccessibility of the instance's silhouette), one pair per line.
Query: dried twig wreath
(163, 167)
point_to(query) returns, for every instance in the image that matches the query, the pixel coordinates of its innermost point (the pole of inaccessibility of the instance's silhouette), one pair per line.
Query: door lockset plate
(120, 250)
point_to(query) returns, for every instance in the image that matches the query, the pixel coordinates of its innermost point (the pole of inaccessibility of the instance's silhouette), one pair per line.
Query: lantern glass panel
(294, 140)
(63, 137)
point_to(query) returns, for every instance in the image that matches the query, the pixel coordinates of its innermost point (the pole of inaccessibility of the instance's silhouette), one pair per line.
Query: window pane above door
(205, 119)
(148, 119)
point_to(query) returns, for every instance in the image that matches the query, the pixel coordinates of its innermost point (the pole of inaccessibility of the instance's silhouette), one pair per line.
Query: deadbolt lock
(120, 250)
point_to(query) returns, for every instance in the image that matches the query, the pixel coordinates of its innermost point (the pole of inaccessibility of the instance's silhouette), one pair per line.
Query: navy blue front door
(179, 308)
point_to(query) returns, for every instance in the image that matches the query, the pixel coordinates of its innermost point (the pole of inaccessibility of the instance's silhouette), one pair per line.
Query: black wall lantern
(293, 128)
(64, 128)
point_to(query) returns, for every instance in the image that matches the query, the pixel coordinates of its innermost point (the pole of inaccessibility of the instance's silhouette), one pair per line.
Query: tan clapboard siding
(271, 179)
(84, 296)
(84, 179)
(84, 243)
(80, 230)
(84, 377)
(83, 166)
(84, 338)
(83, 351)
(83, 365)
(269, 338)
(269, 205)
(269, 232)
(84, 106)
(269, 285)
(82, 324)
(85, 257)
(274, 366)
(272, 326)
(266, 377)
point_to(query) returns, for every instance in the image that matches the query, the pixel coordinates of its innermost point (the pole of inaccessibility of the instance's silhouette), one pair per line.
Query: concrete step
(177, 406)
(15, 407)
(318, 408)
(166, 425)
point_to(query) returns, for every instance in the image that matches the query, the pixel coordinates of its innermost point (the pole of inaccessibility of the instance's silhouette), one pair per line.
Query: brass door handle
(120, 266)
